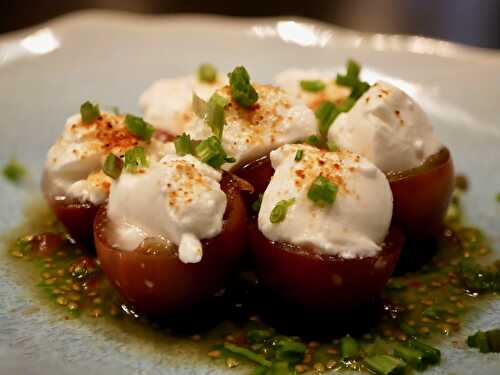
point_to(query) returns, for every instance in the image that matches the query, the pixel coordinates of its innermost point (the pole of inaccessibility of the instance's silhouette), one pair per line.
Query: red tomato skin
(160, 284)
(77, 217)
(421, 200)
(323, 283)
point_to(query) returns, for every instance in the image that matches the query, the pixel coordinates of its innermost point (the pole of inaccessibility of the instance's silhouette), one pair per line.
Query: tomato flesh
(318, 282)
(157, 283)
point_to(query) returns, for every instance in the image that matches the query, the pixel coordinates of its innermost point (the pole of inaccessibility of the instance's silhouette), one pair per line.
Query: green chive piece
(332, 146)
(315, 141)
(14, 171)
(280, 368)
(349, 347)
(248, 354)
(479, 340)
(383, 364)
(322, 191)
(409, 330)
(241, 89)
(258, 335)
(434, 312)
(183, 145)
(215, 114)
(494, 340)
(261, 370)
(135, 158)
(326, 114)
(207, 73)
(431, 354)
(113, 166)
(89, 112)
(210, 151)
(411, 356)
(351, 79)
(138, 127)
(229, 159)
(257, 203)
(298, 155)
(498, 197)
(199, 106)
(290, 351)
(278, 213)
(312, 85)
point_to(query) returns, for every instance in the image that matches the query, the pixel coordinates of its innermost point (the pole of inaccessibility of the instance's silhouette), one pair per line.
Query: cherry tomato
(77, 217)
(319, 282)
(156, 282)
(422, 195)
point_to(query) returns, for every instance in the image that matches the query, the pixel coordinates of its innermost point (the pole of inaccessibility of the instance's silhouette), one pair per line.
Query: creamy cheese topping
(289, 80)
(167, 103)
(178, 200)
(74, 162)
(276, 119)
(357, 222)
(387, 127)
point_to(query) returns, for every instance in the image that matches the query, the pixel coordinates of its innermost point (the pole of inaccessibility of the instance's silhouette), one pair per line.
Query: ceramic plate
(48, 71)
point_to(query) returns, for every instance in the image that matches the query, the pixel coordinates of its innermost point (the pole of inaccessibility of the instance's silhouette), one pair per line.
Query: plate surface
(48, 71)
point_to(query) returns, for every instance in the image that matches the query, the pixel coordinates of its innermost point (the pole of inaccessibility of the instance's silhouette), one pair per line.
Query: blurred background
(474, 22)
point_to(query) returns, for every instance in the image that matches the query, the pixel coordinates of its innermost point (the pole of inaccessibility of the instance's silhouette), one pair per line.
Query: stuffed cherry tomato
(322, 238)
(390, 129)
(251, 127)
(73, 182)
(171, 234)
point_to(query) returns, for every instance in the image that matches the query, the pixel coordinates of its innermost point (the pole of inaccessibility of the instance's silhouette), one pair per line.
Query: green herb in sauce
(419, 308)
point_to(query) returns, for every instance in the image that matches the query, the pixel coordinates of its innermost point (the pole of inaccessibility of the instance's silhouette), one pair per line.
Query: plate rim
(383, 42)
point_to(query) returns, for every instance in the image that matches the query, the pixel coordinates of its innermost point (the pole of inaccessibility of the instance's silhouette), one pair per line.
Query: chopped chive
(89, 112)
(138, 127)
(261, 370)
(312, 85)
(349, 347)
(207, 73)
(280, 368)
(247, 353)
(409, 330)
(113, 166)
(279, 211)
(351, 79)
(322, 191)
(431, 355)
(215, 114)
(135, 158)
(257, 203)
(332, 146)
(411, 356)
(315, 141)
(434, 312)
(494, 340)
(383, 364)
(258, 335)
(183, 144)
(241, 89)
(14, 171)
(298, 155)
(210, 151)
(199, 106)
(229, 159)
(479, 340)
(498, 197)
(290, 351)
(326, 114)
